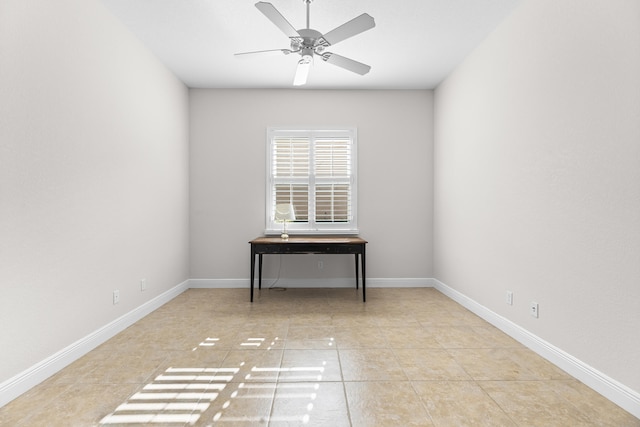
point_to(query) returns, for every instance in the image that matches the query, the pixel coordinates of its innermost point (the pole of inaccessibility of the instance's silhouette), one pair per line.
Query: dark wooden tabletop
(266, 240)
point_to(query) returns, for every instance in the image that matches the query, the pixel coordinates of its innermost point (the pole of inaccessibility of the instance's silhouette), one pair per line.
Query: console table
(307, 245)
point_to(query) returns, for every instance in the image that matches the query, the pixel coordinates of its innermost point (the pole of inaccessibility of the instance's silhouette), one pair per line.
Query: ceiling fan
(308, 42)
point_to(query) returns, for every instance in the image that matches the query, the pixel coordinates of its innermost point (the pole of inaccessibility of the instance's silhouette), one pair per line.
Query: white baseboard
(311, 283)
(400, 283)
(33, 376)
(613, 390)
(220, 283)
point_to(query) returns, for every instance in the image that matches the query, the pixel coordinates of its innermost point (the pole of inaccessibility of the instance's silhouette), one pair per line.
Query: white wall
(395, 143)
(93, 176)
(537, 177)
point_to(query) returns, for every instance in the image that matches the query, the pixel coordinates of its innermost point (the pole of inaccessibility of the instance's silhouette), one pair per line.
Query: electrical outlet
(143, 285)
(535, 311)
(116, 297)
(509, 298)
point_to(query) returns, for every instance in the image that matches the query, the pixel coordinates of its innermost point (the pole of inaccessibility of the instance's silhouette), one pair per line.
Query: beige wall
(395, 134)
(537, 172)
(93, 176)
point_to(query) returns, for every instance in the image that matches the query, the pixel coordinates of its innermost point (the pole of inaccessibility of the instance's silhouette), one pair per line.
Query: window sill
(324, 232)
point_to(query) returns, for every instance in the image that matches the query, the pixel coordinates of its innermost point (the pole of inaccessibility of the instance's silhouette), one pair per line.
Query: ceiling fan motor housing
(309, 40)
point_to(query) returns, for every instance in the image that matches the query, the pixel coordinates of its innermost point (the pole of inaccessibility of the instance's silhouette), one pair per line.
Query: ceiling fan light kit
(308, 42)
(302, 72)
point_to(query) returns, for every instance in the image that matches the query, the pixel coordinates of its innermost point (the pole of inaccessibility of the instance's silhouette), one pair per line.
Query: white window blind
(315, 171)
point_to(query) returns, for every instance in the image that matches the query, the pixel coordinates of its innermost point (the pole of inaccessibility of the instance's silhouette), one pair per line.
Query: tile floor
(312, 357)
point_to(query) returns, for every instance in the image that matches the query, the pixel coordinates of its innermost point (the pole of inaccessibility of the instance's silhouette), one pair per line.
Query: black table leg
(253, 269)
(356, 271)
(259, 271)
(364, 275)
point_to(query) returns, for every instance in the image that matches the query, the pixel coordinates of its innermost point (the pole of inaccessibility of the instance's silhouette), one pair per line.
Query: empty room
(320, 213)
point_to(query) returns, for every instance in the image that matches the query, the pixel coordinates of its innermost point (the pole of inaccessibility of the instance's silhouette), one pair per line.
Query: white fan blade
(285, 51)
(276, 17)
(356, 26)
(346, 63)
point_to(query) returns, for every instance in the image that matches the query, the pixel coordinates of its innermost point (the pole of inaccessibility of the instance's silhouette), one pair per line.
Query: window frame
(312, 227)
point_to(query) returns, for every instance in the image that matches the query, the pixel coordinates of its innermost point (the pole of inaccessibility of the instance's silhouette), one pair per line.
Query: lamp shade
(285, 212)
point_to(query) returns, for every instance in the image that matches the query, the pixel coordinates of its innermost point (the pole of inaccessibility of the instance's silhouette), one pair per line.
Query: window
(315, 171)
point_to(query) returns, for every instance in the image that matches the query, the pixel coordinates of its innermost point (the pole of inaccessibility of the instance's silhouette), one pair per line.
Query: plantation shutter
(313, 170)
(333, 175)
(291, 165)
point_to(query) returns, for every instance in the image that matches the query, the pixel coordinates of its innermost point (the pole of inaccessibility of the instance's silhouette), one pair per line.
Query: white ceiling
(414, 45)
